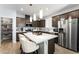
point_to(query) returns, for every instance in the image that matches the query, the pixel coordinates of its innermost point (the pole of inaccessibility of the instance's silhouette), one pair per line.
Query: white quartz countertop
(40, 38)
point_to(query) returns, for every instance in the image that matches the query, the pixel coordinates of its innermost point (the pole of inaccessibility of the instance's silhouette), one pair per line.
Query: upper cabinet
(55, 20)
(65, 16)
(73, 14)
(21, 21)
(42, 23)
(27, 21)
(37, 23)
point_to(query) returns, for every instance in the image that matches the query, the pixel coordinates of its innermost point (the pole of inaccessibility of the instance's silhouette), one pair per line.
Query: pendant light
(30, 18)
(34, 17)
(41, 14)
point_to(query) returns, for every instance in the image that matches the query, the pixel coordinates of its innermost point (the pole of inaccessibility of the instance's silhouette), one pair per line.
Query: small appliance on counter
(37, 32)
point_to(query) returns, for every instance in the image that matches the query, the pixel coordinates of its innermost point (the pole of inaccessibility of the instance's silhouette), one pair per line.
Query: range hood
(27, 17)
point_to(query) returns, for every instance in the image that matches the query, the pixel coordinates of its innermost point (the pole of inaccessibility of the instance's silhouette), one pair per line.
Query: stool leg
(20, 46)
(36, 52)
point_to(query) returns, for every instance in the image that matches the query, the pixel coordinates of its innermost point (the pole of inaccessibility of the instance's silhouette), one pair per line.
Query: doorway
(6, 29)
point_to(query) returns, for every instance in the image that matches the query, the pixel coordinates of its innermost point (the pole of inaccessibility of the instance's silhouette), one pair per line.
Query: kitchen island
(42, 40)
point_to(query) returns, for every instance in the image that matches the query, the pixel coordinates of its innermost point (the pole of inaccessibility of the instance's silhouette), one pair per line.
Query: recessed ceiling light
(47, 9)
(22, 9)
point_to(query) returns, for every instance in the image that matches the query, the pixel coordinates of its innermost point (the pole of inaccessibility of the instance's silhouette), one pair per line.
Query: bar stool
(27, 45)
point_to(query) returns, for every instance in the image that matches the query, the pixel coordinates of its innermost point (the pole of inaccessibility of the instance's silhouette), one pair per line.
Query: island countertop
(40, 38)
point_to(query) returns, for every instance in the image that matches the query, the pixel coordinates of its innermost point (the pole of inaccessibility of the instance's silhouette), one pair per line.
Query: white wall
(4, 12)
(48, 22)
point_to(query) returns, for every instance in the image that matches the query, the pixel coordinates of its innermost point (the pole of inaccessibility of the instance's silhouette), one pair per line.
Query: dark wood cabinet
(51, 46)
(40, 23)
(65, 16)
(55, 20)
(22, 21)
(73, 14)
(35, 23)
(27, 21)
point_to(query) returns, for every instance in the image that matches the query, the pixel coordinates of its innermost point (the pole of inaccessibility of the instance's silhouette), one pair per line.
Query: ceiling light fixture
(22, 9)
(41, 14)
(47, 9)
(30, 18)
(34, 17)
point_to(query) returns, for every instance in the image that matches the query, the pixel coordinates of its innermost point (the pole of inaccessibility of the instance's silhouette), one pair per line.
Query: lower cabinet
(51, 46)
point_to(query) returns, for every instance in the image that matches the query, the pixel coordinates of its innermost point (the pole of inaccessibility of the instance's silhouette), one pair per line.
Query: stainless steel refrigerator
(69, 39)
(74, 34)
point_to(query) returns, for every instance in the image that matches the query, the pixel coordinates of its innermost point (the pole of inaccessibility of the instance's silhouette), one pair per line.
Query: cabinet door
(27, 21)
(35, 24)
(74, 14)
(55, 21)
(22, 21)
(42, 23)
(65, 16)
(51, 46)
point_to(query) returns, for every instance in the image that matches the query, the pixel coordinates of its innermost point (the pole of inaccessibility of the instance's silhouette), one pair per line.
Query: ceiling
(30, 10)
